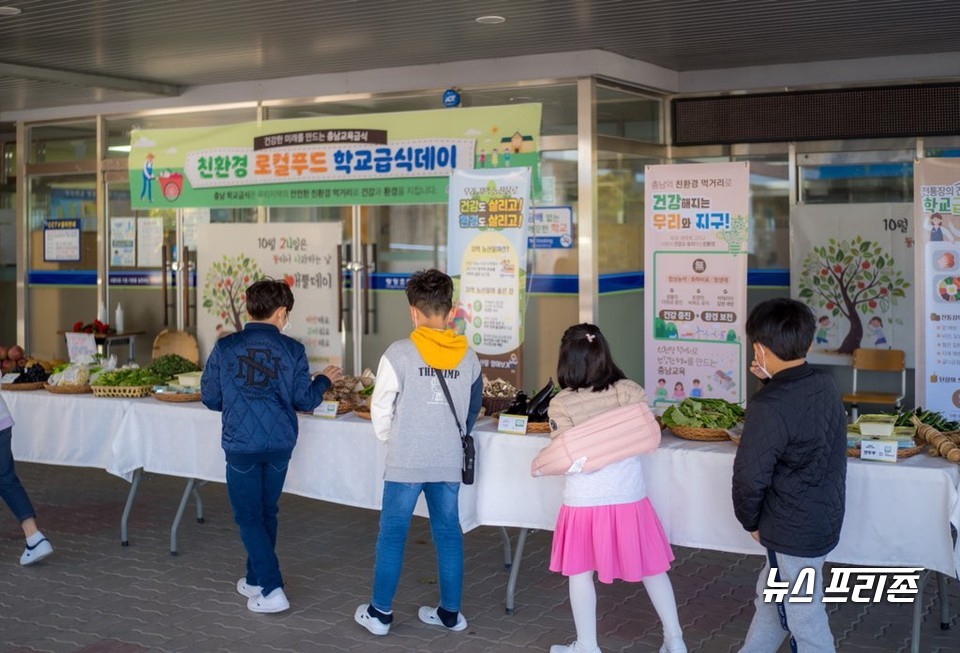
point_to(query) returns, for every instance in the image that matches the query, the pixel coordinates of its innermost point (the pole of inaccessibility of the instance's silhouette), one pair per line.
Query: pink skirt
(624, 541)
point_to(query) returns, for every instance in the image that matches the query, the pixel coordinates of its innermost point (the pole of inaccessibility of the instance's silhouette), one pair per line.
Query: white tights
(583, 601)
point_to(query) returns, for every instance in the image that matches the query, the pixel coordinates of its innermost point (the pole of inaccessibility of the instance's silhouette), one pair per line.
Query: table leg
(507, 558)
(134, 482)
(187, 491)
(515, 569)
(944, 601)
(918, 612)
(199, 501)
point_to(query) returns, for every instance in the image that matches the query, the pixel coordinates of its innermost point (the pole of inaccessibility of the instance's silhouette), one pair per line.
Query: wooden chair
(876, 360)
(176, 342)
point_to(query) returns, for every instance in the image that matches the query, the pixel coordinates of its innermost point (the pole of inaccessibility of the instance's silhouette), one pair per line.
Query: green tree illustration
(224, 288)
(851, 278)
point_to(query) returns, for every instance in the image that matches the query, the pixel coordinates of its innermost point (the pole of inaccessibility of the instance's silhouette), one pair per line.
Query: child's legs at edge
(399, 500)
(583, 603)
(11, 490)
(444, 509)
(808, 622)
(660, 590)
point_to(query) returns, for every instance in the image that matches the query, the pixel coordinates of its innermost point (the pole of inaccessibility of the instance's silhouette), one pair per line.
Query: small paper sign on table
(81, 346)
(9, 378)
(327, 409)
(513, 424)
(884, 451)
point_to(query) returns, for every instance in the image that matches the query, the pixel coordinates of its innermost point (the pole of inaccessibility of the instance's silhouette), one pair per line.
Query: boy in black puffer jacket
(258, 378)
(789, 476)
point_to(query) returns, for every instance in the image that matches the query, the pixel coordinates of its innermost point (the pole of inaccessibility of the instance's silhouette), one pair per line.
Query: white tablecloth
(897, 514)
(73, 430)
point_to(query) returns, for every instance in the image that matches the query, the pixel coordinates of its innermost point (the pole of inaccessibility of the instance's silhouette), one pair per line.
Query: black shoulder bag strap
(469, 451)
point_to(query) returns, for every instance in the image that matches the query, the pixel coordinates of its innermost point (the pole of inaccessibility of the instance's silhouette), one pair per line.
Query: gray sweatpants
(807, 622)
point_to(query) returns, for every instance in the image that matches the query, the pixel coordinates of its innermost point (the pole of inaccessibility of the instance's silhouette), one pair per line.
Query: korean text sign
(232, 256)
(695, 239)
(937, 273)
(488, 222)
(391, 158)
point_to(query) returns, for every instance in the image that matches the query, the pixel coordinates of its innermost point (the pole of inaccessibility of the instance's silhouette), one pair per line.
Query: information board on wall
(123, 242)
(486, 256)
(149, 242)
(695, 242)
(61, 241)
(852, 264)
(232, 256)
(937, 233)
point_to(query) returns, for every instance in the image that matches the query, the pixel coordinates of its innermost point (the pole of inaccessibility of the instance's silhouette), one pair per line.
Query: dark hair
(430, 292)
(877, 318)
(264, 297)
(784, 326)
(585, 360)
(824, 317)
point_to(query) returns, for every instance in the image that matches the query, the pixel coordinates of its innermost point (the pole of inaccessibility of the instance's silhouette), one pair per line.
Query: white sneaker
(674, 645)
(36, 553)
(374, 625)
(275, 601)
(248, 591)
(572, 648)
(428, 615)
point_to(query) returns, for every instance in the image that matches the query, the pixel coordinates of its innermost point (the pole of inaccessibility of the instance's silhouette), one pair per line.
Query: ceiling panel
(190, 42)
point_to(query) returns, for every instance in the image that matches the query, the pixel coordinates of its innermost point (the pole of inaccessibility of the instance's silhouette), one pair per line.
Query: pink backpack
(616, 435)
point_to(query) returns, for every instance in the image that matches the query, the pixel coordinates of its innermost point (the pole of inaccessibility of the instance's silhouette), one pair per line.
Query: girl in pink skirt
(606, 524)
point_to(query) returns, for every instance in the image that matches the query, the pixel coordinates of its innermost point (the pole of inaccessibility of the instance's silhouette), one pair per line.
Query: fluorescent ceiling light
(10, 11)
(119, 148)
(491, 20)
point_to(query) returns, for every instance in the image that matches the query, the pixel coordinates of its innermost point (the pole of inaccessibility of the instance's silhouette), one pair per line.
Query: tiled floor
(95, 596)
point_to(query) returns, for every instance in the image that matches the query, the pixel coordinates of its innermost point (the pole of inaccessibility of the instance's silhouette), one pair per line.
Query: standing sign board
(695, 241)
(489, 214)
(232, 256)
(852, 264)
(937, 233)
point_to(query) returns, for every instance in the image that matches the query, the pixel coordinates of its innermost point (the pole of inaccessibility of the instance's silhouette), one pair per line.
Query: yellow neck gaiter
(440, 349)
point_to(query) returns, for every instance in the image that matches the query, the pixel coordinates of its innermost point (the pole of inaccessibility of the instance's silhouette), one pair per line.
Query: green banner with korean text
(373, 159)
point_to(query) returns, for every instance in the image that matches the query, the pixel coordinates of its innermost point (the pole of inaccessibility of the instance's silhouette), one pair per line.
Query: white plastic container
(118, 318)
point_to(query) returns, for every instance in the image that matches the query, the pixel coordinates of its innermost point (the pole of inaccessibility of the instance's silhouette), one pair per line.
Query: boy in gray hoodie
(411, 413)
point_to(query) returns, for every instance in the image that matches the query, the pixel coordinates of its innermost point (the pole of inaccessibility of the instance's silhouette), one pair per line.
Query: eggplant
(519, 405)
(538, 398)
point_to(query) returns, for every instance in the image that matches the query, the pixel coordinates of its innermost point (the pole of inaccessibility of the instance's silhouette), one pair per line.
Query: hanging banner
(486, 256)
(937, 233)
(695, 241)
(389, 158)
(230, 257)
(852, 264)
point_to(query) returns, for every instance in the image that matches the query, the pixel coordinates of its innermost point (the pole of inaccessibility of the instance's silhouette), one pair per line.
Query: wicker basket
(702, 434)
(16, 387)
(343, 408)
(177, 397)
(493, 405)
(122, 391)
(363, 412)
(68, 389)
(854, 452)
(538, 427)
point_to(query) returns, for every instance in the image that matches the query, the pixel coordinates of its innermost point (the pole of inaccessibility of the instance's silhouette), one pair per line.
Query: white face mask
(286, 325)
(762, 366)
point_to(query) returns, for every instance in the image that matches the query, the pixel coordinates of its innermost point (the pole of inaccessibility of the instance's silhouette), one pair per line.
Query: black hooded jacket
(789, 476)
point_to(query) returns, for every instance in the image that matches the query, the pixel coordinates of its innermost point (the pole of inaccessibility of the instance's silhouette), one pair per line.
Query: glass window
(63, 142)
(856, 178)
(628, 115)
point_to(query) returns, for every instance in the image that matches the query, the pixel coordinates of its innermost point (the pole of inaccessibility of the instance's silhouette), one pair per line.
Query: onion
(15, 353)
(8, 366)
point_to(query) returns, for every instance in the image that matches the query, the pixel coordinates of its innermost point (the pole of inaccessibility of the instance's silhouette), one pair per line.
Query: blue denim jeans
(10, 488)
(254, 490)
(399, 500)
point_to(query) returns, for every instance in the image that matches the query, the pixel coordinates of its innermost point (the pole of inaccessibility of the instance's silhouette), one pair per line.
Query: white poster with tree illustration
(853, 265)
(230, 257)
